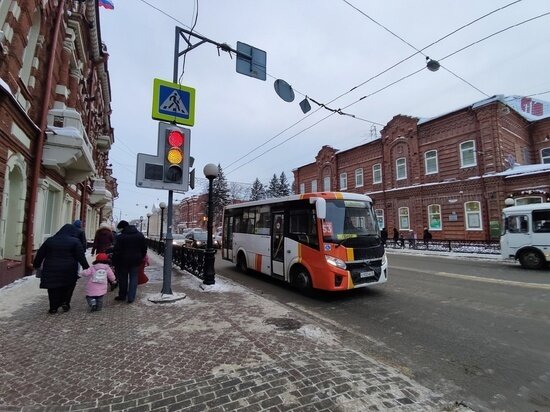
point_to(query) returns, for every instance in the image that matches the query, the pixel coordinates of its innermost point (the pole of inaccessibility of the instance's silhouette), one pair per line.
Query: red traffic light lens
(175, 138)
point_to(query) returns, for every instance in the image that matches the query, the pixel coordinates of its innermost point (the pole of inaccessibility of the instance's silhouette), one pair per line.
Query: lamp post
(210, 172)
(148, 217)
(162, 206)
(141, 224)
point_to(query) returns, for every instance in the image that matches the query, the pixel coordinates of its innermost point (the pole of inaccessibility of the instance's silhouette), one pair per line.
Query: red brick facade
(54, 91)
(469, 173)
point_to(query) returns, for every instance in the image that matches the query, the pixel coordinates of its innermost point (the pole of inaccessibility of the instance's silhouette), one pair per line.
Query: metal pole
(209, 253)
(167, 273)
(161, 222)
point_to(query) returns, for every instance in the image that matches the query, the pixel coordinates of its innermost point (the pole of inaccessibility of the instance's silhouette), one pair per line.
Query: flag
(108, 4)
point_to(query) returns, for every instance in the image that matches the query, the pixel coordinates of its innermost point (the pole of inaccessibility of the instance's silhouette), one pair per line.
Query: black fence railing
(489, 247)
(186, 258)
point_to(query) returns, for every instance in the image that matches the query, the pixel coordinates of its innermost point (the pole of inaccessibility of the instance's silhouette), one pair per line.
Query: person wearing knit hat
(98, 275)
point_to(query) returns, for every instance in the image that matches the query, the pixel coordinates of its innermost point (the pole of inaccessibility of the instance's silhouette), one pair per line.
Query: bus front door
(278, 244)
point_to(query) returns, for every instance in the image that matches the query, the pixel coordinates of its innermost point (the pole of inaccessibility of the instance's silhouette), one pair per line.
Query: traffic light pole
(167, 271)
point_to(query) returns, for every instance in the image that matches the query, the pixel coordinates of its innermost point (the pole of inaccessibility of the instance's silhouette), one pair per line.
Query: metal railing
(186, 258)
(489, 247)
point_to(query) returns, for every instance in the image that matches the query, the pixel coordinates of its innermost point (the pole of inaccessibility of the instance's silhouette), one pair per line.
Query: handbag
(142, 278)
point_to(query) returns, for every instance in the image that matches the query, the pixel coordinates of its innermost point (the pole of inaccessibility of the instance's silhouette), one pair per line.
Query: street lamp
(148, 217)
(162, 206)
(210, 172)
(141, 224)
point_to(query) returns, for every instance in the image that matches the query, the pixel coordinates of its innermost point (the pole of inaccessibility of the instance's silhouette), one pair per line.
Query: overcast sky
(323, 49)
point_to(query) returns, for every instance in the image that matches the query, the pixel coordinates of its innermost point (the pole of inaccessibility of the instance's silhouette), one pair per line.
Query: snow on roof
(525, 170)
(530, 109)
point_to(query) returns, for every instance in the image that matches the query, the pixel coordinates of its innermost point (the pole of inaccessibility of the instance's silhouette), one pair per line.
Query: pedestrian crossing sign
(173, 102)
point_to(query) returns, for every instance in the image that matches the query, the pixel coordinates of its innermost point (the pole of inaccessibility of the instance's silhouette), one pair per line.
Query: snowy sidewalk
(223, 349)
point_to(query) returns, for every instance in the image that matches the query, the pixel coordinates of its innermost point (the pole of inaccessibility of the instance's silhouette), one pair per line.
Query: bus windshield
(347, 219)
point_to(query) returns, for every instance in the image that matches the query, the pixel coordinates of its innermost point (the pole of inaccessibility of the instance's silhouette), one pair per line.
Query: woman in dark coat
(59, 257)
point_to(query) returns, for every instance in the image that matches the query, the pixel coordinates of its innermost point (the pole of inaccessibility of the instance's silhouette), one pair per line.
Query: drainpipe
(40, 142)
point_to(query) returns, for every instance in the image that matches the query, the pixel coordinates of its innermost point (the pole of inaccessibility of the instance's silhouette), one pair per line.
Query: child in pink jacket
(96, 286)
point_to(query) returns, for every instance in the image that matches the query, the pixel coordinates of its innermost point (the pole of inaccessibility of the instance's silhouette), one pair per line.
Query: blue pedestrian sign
(173, 102)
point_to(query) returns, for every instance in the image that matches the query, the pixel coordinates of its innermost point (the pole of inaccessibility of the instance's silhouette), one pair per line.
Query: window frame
(467, 215)
(463, 151)
(326, 183)
(402, 167)
(427, 160)
(377, 170)
(404, 215)
(380, 218)
(545, 158)
(359, 176)
(314, 185)
(343, 181)
(432, 213)
(302, 188)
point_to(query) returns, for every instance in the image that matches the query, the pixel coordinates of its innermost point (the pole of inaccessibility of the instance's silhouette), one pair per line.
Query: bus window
(263, 225)
(303, 227)
(517, 224)
(541, 221)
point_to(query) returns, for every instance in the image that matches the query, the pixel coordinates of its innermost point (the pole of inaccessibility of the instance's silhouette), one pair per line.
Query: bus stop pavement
(223, 348)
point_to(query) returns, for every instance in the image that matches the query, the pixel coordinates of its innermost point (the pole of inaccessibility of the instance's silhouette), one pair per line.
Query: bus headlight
(339, 263)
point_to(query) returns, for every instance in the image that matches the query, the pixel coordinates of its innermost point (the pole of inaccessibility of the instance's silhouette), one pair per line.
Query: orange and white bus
(326, 240)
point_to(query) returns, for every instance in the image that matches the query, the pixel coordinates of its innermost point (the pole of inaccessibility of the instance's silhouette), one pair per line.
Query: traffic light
(176, 155)
(169, 169)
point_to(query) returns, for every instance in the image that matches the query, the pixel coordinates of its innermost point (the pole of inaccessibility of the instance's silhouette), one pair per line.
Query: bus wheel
(241, 263)
(301, 280)
(531, 259)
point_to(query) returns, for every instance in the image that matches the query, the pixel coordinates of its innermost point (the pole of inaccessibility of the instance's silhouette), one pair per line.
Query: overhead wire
(376, 76)
(384, 88)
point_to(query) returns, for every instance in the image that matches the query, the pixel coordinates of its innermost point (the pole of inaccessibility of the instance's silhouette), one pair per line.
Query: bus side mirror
(320, 207)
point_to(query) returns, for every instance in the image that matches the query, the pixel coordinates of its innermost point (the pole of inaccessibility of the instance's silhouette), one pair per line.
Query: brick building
(55, 131)
(449, 173)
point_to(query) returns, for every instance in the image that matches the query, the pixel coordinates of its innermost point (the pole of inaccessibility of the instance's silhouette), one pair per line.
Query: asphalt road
(477, 331)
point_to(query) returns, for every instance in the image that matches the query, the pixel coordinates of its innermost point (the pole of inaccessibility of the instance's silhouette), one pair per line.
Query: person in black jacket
(81, 235)
(384, 236)
(59, 257)
(128, 254)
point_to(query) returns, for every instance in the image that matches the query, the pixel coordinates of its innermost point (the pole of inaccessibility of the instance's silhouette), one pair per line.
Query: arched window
(377, 173)
(434, 217)
(404, 223)
(401, 168)
(472, 211)
(30, 50)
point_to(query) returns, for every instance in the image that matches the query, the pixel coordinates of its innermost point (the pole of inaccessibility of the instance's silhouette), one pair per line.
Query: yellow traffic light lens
(174, 155)
(176, 138)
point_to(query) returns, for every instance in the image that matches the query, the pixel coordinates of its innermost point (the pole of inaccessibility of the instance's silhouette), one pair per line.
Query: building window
(404, 223)
(527, 200)
(377, 173)
(343, 181)
(434, 217)
(380, 218)
(302, 187)
(472, 211)
(326, 183)
(467, 154)
(358, 177)
(314, 185)
(401, 168)
(430, 162)
(545, 155)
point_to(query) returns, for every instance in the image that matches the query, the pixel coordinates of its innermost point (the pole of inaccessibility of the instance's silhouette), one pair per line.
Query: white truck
(526, 234)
